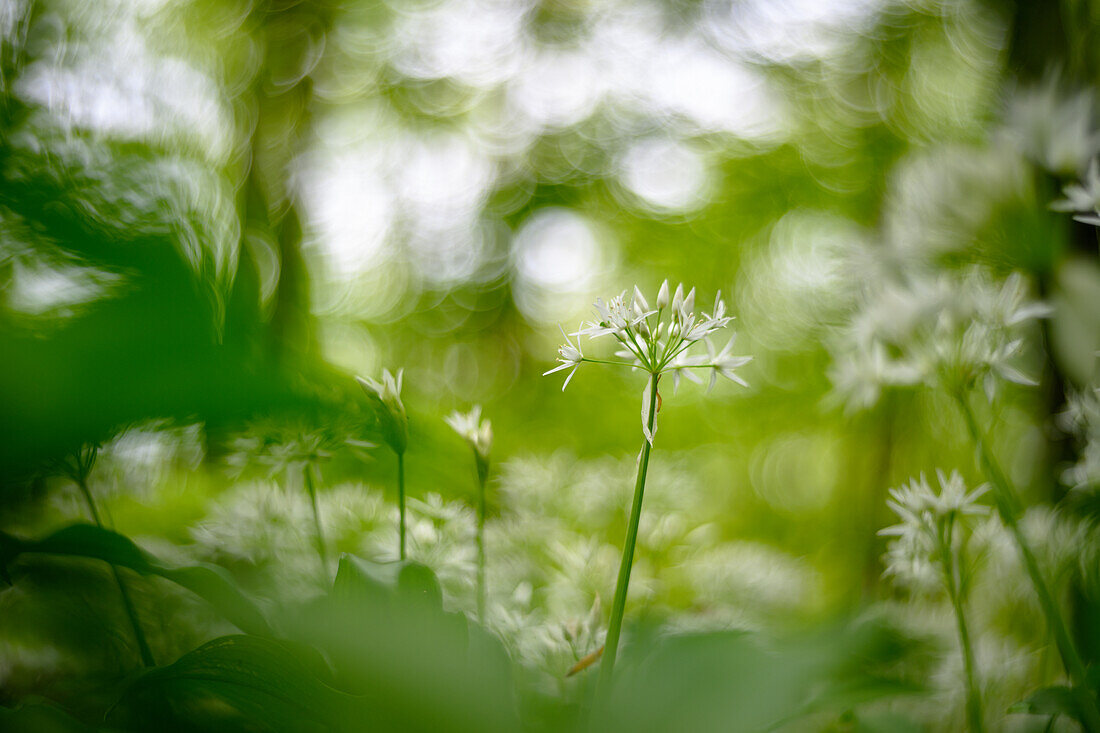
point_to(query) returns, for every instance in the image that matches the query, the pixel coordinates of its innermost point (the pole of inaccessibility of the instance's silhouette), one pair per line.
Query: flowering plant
(929, 547)
(658, 345)
(654, 344)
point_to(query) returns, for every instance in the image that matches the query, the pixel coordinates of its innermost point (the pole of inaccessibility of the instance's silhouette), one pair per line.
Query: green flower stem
(950, 563)
(319, 536)
(611, 645)
(482, 475)
(127, 603)
(1005, 499)
(401, 502)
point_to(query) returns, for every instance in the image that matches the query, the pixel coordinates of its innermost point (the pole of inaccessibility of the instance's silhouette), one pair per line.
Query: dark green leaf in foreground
(736, 681)
(1053, 700)
(209, 582)
(40, 719)
(237, 683)
(417, 666)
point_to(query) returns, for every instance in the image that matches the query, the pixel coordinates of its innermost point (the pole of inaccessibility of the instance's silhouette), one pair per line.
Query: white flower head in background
(657, 339)
(1053, 125)
(929, 521)
(1083, 198)
(386, 398)
(946, 331)
(475, 431)
(1082, 420)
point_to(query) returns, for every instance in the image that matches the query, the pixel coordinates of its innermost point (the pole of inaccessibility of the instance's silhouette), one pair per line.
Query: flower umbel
(925, 517)
(930, 550)
(475, 431)
(386, 396)
(655, 344)
(947, 331)
(394, 426)
(1083, 198)
(479, 434)
(657, 340)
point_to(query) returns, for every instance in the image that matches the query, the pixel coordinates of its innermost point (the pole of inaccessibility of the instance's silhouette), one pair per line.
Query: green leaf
(216, 587)
(1053, 700)
(40, 719)
(418, 666)
(237, 683)
(737, 681)
(209, 582)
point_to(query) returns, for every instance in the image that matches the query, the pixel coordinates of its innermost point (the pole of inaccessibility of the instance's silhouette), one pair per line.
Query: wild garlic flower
(570, 355)
(928, 522)
(942, 331)
(386, 397)
(280, 447)
(1082, 420)
(1083, 198)
(475, 431)
(1053, 125)
(657, 339)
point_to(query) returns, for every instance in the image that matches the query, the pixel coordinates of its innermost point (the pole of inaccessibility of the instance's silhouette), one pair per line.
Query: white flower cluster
(1083, 198)
(1053, 125)
(262, 530)
(654, 343)
(943, 331)
(1082, 419)
(915, 555)
(475, 431)
(277, 448)
(553, 558)
(385, 396)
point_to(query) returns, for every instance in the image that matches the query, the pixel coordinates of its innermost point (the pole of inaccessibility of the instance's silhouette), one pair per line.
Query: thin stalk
(127, 603)
(401, 502)
(482, 475)
(1005, 500)
(319, 535)
(611, 645)
(954, 591)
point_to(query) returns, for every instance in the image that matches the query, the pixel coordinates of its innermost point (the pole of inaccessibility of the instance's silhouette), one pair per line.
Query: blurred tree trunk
(289, 33)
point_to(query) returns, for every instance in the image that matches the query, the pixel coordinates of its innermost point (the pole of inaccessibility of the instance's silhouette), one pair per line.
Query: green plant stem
(319, 535)
(973, 697)
(481, 477)
(401, 503)
(127, 603)
(1005, 499)
(611, 645)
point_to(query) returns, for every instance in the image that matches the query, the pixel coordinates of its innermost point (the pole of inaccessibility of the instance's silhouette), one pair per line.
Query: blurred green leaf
(30, 718)
(735, 681)
(236, 683)
(1053, 700)
(418, 666)
(209, 582)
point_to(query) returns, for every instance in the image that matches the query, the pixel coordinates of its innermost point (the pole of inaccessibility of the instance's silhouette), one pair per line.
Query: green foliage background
(176, 266)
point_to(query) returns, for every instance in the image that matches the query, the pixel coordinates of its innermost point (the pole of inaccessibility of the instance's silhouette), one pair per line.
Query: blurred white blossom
(475, 431)
(385, 395)
(1083, 198)
(1054, 126)
(1082, 419)
(931, 523)
(945, 331)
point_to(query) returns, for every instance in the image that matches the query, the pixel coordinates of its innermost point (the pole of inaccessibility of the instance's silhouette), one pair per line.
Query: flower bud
(385, 396)
(688, 305)
(662, 295)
